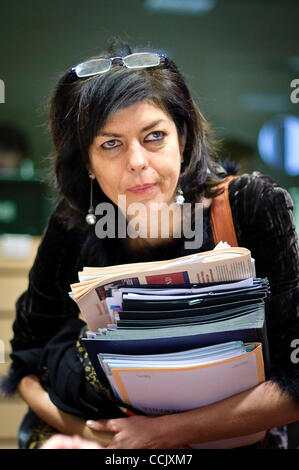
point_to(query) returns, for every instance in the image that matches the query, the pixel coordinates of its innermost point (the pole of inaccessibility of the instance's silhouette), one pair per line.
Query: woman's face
(138, 154)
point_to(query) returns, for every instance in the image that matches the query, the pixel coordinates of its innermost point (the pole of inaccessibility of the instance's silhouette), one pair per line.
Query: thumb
(99, 425)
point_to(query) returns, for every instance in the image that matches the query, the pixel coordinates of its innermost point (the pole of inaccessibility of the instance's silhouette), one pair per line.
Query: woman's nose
(137, 159)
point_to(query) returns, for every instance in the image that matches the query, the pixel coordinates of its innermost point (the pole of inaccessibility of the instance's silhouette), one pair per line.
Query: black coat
(47, 324)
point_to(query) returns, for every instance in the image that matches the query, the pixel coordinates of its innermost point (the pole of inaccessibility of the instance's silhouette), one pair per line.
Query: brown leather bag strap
(221, 217)
(224, 230)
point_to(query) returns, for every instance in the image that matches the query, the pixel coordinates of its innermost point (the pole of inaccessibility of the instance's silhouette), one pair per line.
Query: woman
(130, 127)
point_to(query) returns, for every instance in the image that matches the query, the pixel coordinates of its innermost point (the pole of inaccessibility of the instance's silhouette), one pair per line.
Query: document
(171, 383)
(215, 266)
(176, 335)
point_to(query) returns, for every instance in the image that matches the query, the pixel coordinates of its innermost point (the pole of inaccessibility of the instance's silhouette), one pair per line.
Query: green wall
(240, 47)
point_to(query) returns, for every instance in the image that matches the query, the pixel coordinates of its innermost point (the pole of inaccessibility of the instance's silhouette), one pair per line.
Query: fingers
(57, 442)
(86, 444)
(100, 425)
(61, 441)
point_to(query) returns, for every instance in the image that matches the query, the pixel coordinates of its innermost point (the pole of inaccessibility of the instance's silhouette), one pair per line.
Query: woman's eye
(111, 144)
(153, 136)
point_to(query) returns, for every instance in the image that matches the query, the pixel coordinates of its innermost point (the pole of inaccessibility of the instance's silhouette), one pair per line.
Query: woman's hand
(136, 432)
(253, 411)
(61, 441)
(39, 401)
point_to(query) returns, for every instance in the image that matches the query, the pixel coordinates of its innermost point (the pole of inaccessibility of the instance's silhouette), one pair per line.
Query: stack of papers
(167, 383)
(170, 383)
(130, 376)
(177, 335)
(210, 267)
(151, 325)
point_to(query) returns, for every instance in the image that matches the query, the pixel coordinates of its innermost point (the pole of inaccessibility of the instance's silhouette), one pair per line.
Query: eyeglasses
(139, 60)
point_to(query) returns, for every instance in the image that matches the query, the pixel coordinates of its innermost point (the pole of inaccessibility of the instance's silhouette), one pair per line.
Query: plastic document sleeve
(157, 391)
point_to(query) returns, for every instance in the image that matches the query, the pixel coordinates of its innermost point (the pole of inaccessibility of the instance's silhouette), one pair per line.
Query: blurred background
(240, 58)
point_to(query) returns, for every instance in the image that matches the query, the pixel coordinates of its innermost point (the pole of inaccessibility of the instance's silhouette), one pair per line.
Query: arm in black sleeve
(263, 217)
(46, 306)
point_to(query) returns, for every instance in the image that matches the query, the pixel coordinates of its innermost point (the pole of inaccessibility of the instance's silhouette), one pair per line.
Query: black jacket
(47, 324)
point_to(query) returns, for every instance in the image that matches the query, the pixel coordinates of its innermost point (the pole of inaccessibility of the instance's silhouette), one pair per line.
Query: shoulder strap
(221, 217)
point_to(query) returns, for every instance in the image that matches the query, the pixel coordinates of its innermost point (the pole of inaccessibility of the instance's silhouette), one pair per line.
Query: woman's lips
(142, 188)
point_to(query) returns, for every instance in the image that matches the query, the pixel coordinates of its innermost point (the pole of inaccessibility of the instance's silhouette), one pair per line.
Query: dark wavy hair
(80, 107)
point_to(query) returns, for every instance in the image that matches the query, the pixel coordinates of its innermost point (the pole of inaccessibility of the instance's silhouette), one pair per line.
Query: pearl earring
(90, 217)
(180, 199)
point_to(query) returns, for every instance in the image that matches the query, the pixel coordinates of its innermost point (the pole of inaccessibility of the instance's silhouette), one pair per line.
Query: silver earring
(179, 200)
(90, 217)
